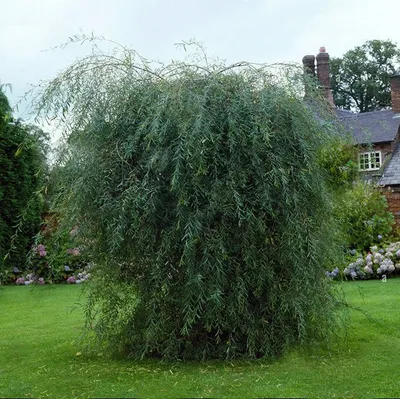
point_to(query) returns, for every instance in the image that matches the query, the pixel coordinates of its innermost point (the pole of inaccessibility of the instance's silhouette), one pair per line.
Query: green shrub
(55, 258)
(63, 256)
(199, 190)
(338, 159)
(363, 215)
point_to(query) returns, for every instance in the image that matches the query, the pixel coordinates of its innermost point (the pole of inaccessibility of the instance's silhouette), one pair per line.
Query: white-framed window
(370, 160)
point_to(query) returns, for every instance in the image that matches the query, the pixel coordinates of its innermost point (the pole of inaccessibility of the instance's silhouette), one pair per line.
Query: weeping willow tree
(197, 191)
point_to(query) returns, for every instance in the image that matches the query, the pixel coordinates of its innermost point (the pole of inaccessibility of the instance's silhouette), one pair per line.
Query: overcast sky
(235, 30)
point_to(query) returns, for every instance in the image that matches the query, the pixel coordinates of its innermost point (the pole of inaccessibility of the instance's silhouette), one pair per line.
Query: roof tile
(391, 175)
(370, 127)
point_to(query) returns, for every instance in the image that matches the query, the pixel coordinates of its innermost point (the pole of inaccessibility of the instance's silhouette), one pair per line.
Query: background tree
(361, 78)
(22, 164)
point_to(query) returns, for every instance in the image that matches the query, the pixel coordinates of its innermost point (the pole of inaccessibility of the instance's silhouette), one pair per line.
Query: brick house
(377, 133)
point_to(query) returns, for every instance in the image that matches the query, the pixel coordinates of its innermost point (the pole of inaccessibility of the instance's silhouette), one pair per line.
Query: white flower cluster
(82, 277)
(354, 269)
(375, 263)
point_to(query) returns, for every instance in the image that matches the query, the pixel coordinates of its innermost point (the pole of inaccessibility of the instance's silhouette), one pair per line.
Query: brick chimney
(309, 73)
(323, 74)
(395, 90)
(309, 64)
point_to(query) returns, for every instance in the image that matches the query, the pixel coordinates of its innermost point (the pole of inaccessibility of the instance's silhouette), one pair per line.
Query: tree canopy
(22, 163)
(197, 190)
(360, 79)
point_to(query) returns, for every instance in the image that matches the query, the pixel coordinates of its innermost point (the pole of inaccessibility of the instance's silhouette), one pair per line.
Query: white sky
(235, 30)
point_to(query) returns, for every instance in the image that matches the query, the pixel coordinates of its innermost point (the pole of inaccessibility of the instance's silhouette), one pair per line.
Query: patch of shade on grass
(39, 355)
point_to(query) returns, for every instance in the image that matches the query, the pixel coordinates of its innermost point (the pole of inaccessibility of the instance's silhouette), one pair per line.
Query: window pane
(363, 161)
(378, 159)
(369, 160)
(373, 160)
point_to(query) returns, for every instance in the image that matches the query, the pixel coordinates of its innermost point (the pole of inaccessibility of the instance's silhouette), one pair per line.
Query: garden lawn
(40, 355)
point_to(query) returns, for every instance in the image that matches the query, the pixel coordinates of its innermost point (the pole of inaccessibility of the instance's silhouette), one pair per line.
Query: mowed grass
(39, 355)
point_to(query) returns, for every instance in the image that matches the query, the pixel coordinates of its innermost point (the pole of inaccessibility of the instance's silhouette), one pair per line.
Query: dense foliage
(199, 194)
(364, 216)
(360, 208)
(338, 160)
(22, 166)
(56, 257)
(361, 78)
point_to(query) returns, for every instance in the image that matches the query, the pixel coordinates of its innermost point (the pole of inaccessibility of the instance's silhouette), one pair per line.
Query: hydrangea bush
(57, 259)
(30, 279)
(372, 264)
(76, 277)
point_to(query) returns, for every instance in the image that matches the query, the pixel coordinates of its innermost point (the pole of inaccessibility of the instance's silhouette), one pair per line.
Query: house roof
(370, 127)
(391, 175)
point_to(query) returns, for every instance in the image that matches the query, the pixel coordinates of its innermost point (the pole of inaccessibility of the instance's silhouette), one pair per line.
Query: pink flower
(41, 250)
(71, 280)
(20, 281)
(75, 252)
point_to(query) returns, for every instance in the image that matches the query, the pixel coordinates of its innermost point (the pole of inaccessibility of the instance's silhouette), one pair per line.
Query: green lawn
(39, 356)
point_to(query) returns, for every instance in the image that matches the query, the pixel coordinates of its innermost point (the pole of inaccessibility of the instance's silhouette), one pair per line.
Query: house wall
(387, 150)
(392, 195)
(373, 176)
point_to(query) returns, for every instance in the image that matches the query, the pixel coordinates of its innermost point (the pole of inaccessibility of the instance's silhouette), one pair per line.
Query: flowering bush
(77, 278)
(334, 274)
(30, 279)
(56, 259)
(20, 281)
(38, 261)
(373, 264)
